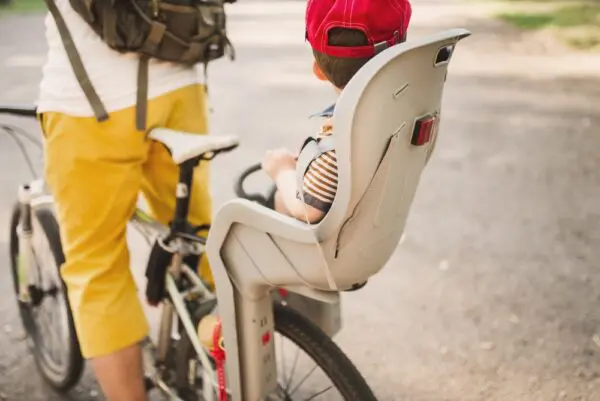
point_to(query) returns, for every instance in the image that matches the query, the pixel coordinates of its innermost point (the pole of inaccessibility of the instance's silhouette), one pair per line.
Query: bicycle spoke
(52, 335)
(282, 358)
(43, 330)
(49, 317)
(319, 393)
(304, 379)
(58, 347)
(49, 333)
(48, 329)
(64, 318)
(289, 382)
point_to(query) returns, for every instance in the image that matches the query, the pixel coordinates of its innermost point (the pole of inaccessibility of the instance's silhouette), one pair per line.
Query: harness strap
(219, 356)
(77, 64)
(311, 150)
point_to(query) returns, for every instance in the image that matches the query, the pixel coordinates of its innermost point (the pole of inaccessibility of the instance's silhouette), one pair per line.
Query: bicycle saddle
(185, 146)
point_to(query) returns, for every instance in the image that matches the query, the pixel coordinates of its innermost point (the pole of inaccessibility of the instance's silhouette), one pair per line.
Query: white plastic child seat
(252, 248)
(185, 146)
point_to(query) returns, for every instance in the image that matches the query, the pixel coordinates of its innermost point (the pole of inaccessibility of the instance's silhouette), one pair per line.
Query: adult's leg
(120, 374)
(95, 171)
(161, 174)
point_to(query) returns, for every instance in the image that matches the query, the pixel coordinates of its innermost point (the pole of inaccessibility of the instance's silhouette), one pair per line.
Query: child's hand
(276, 161)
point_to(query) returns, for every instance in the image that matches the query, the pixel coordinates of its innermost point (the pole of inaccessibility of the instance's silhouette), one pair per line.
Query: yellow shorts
(95, 172)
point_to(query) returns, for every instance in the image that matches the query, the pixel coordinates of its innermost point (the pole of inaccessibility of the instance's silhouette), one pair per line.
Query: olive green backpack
(181, 31)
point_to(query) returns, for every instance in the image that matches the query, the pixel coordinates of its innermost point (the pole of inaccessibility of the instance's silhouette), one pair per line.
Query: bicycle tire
(324, 351)
(292, 325)
(60, 381)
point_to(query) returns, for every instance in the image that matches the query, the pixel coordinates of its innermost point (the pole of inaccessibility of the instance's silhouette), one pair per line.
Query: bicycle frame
(152, 230)
(30, 197)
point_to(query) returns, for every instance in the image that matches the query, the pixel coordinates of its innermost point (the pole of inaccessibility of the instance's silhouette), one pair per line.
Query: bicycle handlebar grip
(239, 185)
(20, 111)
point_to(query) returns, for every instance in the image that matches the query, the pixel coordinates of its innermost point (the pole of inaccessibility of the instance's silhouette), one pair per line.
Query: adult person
(95, 170)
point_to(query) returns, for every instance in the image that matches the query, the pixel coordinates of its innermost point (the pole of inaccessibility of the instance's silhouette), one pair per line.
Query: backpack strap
(311, 150)
(141, 108)
(77, 64)
(155, 37)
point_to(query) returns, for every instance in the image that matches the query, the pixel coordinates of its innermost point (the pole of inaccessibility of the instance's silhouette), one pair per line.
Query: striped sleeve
(321, 181)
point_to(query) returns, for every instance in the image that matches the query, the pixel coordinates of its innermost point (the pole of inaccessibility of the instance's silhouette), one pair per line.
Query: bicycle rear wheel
(47, 318)
(323, 353)
(295, 331)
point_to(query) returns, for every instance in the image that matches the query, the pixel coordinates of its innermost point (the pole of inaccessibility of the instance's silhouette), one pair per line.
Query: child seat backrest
(385, 128)
(379, 166)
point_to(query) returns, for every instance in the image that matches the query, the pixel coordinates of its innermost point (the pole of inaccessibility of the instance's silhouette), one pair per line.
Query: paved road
(494, 293)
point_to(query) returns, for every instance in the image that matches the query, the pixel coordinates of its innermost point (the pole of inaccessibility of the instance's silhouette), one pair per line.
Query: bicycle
(178, 365)
(395, 99)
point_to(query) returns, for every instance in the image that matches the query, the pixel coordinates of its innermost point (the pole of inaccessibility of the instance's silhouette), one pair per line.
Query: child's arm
(287, 187)
(280, 165)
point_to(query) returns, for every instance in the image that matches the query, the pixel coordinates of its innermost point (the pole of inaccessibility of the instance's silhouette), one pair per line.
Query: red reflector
(423, 130)
(283, 293)
(266, 338)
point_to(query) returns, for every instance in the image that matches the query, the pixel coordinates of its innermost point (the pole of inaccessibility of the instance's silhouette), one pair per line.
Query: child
(344, 35)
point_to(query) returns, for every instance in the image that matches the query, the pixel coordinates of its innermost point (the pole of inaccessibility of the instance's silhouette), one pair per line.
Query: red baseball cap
(384, 22)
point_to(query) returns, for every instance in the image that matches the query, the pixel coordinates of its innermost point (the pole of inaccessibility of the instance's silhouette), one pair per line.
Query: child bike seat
(385, 129)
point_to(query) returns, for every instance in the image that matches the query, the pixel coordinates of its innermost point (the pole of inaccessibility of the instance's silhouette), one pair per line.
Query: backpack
(180, 31)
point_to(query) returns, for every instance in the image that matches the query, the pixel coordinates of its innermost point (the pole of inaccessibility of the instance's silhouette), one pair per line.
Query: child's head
(345, 34)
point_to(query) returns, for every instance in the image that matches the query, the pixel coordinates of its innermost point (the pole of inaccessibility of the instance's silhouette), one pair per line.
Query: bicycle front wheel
(47, 316)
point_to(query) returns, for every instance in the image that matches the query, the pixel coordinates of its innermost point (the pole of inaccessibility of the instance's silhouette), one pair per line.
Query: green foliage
(21, 6)
(578, 24)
